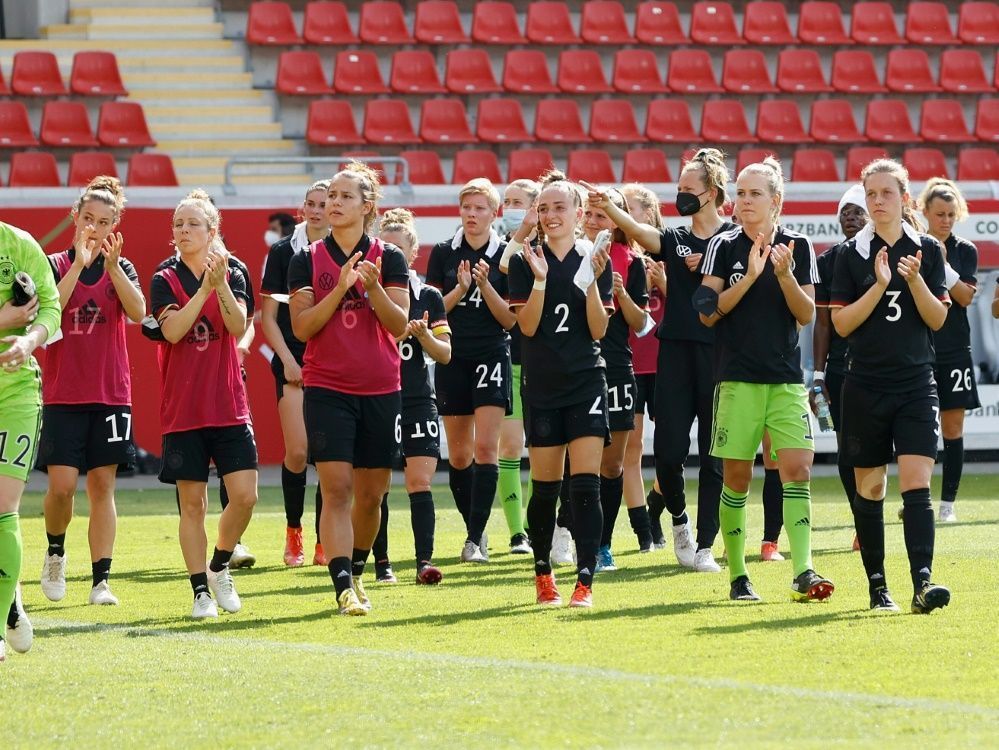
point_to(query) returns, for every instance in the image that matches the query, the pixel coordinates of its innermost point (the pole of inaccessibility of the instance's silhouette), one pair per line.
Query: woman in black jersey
(474, 388)
(889, 294)
(563, 295)
(286, 365)
(943, 205)
(685, 373)
(427, 335)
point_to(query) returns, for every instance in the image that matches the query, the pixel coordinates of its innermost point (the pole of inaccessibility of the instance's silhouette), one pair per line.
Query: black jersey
(826, 263)
(475, 332)
(395, 270)
(417, 388)
(92, 274)
(562, 364)
(162, 295)
(616, 345)
(953, 341)
(680, 321)
(275, 281)
(893, 349)
(758, 338)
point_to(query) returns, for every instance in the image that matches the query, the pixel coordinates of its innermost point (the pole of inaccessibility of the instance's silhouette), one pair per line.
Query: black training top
(92, 274)
(838, 348)
(417, 389)
(275, 281)
(162, 296)
(395, 270)
(953, 341)
(616, 345)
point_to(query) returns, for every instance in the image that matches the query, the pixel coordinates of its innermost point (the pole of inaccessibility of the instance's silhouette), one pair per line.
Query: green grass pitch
(664, 659)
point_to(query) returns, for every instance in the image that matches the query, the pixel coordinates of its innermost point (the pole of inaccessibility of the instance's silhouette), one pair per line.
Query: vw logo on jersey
(683, 251)
(326, 281)
(735, 278)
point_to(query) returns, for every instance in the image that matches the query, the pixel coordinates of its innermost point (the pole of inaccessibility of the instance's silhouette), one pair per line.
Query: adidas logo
(869, 279)
(876, 577)
(3, 573)
(202, 332)
(803, 522)
(738, 266)
(343, 574)
(733, 532)
(924, 570)
(584, 572)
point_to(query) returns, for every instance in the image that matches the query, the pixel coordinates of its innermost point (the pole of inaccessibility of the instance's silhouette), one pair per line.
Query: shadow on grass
(784, 623)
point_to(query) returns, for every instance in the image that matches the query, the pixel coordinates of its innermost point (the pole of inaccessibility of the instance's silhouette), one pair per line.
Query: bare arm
(633, 315)
(645, 235)
(175, 323)
(597, 318)
(529, 314)
(498, 306)
(307, 317)
(233, 311)
(963, 293)
(727, 300)
(454, 297)
(272, 333)
(129, 293)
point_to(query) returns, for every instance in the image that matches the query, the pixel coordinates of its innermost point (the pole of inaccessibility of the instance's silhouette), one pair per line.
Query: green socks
(10, 560)
(732, 516)
(511, 494)
(798, 524)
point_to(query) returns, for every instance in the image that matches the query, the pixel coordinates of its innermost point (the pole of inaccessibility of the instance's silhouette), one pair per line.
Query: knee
(738, 479)
(611, 467)
(193, 508)
(511, 446)
(336, 494)
(486, 451)
(244, 500)
(62, 494)
(295, 459)
(369, 501)
(798, 472)
(872, 487)
(417, 484)
(101, 488)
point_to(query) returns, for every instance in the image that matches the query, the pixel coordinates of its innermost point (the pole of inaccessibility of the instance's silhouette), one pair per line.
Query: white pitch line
(869, 700)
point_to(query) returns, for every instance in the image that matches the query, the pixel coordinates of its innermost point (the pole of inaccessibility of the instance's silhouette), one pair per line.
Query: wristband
(819, 375)
(512, 248)
(951, 277)
(539, 284)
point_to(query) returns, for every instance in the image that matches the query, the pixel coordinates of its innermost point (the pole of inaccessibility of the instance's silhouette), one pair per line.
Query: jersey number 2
(563, 310)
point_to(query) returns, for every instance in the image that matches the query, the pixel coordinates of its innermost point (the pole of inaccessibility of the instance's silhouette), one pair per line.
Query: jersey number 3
(894, 309)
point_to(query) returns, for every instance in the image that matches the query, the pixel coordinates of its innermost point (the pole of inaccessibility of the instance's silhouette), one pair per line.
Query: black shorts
(645, 395)
(277, 369)
(834, 384)
(956, 384)
(86, 438)
(364, 431)
(188, 454)
(878, 426)
(421, 438)
(621, 390)
(560, 426)
(463, 385)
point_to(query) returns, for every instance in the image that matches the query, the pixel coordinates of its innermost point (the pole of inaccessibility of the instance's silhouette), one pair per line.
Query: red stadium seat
(603, 22)
(383, 23)
(525, 71)
(86, 165)
(942, 121)
(888, 122)
(592, 165)
(33, 169)
(978, 23)
(779, 121)
(613, 121)
(424, 168)
(271, 23)
(331, 123)
(501, 121)
(15, 127)
(800, 71)
(327, 23)
(859, 157)
(714, 23)
(978, 164)
(96, 74)
(386, 121)
(929, 23)
(67, 124)
(123, 125)
(814, 165)
(36, 74)
(469, 71)
(301, 74)
(559, 121)
(496, 23)
(445, 121)
(745, 71)
(690, 72)
(832, 121)
(415, 72)
(151, 170)
(925, 163)
(356, 72)
(747, 156)
(580, 72)
(549, 23)
(438, 22)
(4, 88)
(874, 23)
(469, 164)
(962, 72)
(646, 165)
(637, 72)
(987, 120)
(908, 71)
(767, 23)
(724, 120)
(668, 121)
(528, 163)
(659, 23)
(821, 22)
(853, 73)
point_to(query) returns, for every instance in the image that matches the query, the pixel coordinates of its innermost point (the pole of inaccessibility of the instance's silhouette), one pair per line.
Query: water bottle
(822, 409)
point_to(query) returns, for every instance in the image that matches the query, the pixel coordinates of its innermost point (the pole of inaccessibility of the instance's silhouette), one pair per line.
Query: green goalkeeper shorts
(742, 411)
(20, 420)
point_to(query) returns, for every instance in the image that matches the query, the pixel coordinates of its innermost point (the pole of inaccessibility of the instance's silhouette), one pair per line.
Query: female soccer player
(943, 205)
(761, 277)
(87, 422)
(201, 309)
(685, 372)
(427, 333)
(23, 328)
(474, 388)
(286, 365)
(349, 303)
(563, 295)
(889, 295)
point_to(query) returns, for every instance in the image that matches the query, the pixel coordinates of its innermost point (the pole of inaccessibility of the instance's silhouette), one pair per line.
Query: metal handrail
(230, 189)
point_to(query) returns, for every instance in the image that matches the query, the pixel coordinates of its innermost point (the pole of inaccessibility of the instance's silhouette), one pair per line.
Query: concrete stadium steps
(127, 64)
(210, 171)
(182, 97)
(230, 147)
(209, 114)
(124, 48)
(111, 32)
(187, 81)
(204, 131)
(130, 4)
(132, 16)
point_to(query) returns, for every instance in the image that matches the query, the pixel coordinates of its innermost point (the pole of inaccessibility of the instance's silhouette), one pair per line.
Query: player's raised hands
(619, 290)
(528, 228)
(596, 197)
(535, 258)
(599, 261)
(349, 273)
(370, 273)
(908, 266)
(655, 271)
(758, 255)
(464, 275)
(215, 268)
(86, 246)
(782, 257)
(111, 249)
(419, 328)
(882, 271)
(480, 273)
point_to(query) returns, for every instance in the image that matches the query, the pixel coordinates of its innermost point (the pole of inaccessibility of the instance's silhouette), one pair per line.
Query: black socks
(869, 520)
(461, 487)
(773, 505)
(339, 568)
(917, 523)
(641, 525)
(483, 493)
(610, 504)
(421, 508)
(293, 489)
(220, 559)
(953, 467)
(101, 570)
(199, 583)
(57, 544)
(584, 493)
(357, 561)
(380, 547)
(541, 522)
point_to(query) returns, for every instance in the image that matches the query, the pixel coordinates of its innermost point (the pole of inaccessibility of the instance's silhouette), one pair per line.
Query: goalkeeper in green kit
(29, 315)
